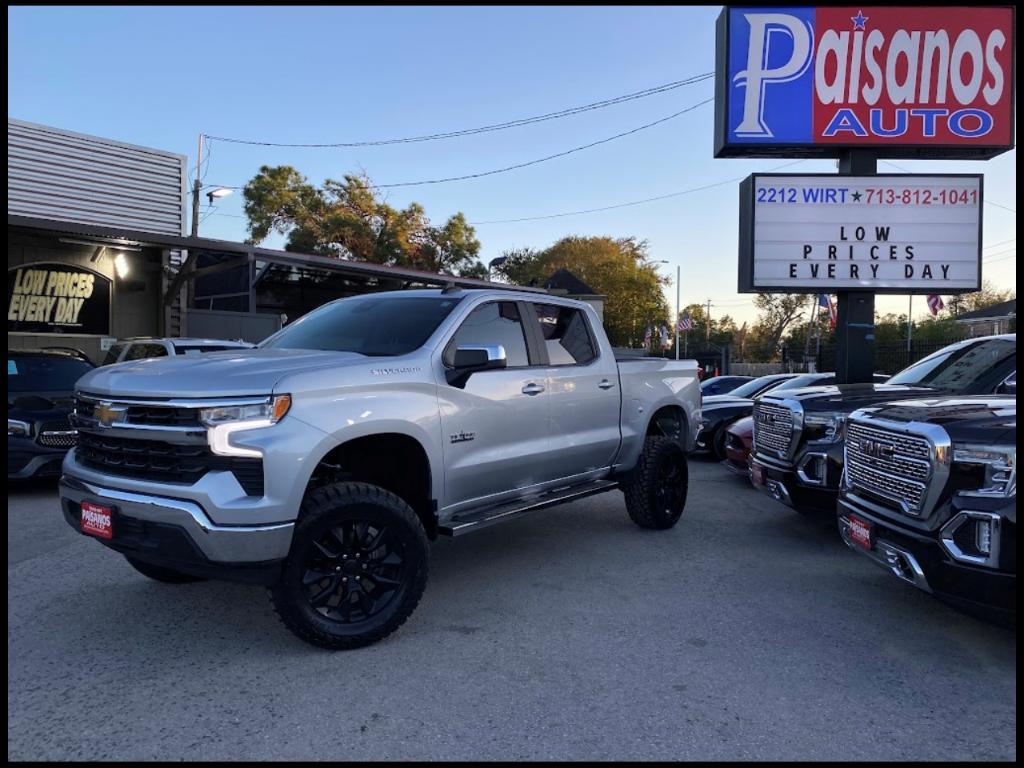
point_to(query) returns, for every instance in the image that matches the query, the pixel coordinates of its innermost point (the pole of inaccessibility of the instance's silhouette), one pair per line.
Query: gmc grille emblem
(877, 449)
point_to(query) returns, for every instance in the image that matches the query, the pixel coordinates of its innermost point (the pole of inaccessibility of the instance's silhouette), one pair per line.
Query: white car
(143, 347)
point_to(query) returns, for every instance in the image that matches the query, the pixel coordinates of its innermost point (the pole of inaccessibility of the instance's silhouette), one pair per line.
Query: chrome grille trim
(903, 465)
(774, 430)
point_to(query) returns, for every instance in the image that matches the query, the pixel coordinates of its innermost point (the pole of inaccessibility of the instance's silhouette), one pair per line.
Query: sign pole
(855, 321)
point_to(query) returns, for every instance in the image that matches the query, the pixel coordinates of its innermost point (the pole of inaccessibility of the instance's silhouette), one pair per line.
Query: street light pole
(679, 309)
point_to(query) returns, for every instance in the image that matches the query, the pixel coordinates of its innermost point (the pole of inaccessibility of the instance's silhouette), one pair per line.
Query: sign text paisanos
(900, 81)
(822, 233)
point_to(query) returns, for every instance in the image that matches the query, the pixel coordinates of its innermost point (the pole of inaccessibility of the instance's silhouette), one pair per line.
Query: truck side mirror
(473, 359)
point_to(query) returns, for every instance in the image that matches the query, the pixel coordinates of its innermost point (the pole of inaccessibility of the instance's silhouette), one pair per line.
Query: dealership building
(97, 250)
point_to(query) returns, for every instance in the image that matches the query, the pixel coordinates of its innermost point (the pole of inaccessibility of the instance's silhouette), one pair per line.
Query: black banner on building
(57, 298)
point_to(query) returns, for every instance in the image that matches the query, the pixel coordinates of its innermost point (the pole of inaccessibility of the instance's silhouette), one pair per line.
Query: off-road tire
(336, 510)
(158, 573)
(646, 501)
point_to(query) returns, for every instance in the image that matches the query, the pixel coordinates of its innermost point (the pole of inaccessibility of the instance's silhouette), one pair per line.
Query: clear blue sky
(160, 76)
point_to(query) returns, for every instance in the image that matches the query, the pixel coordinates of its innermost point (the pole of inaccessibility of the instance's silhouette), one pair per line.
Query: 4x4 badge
(463, 437)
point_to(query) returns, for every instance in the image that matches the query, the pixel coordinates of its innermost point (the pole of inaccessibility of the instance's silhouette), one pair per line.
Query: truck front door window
(494, 323)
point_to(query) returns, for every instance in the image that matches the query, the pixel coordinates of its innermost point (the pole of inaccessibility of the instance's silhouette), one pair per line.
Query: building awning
(112, 237)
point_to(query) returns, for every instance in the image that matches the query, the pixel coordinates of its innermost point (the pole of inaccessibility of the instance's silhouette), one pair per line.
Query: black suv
(40, 385)
(798, 434)
(929, 492)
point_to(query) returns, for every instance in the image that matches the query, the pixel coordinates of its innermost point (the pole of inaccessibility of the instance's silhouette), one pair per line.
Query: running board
(477, 519)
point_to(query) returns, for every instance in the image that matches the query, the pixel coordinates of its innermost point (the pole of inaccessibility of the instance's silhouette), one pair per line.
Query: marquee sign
(821, 233)
(57, 298)
(908, 82)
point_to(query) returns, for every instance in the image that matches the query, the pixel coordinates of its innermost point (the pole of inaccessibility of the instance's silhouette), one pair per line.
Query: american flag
(665, 343)
(685, 323)
(647, 336)
(935, 303)
(824, 300)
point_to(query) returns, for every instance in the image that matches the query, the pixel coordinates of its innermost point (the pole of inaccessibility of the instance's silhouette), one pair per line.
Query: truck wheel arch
(394, 461)
(670, 421)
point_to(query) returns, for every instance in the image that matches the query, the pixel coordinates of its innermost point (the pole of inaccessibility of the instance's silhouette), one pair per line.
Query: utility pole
(679, 309)
(196, 186)
(708, 329)
(910, 324)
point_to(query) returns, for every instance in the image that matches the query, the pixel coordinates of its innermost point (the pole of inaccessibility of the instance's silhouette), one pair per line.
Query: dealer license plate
(97, 520)
(860, 532)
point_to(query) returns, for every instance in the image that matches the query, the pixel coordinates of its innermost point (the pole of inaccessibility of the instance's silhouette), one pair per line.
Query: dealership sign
(822, 233)
(910, 82)
(57, 298)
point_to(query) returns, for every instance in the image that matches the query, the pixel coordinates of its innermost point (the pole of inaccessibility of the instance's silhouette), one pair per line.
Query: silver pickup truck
(322, 462)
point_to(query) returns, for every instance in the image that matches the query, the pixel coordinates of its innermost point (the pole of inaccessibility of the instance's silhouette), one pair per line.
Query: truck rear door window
(566, 336)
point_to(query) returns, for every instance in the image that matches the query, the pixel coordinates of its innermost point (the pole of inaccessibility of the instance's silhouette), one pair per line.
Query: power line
(664, 88)
(1004, 258)
(543, 159)
(630, 203)
(1004, 242)
(1000, 253)
(517, 166)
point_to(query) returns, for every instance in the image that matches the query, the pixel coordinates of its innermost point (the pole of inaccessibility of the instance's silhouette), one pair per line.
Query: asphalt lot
(746, 632)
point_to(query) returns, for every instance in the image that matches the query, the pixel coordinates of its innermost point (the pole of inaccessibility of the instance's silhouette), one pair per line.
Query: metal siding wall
(56, 174)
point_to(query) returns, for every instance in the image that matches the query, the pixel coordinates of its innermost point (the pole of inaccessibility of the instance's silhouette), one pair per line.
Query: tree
(345, 220)
(776, 311)
(986, 297)
(616, 268)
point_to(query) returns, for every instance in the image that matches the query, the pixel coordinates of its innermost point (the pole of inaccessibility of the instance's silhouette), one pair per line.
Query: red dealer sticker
(97, 520)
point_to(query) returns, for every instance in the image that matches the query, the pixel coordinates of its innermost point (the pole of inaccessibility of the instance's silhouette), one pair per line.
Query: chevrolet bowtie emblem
(108, 414)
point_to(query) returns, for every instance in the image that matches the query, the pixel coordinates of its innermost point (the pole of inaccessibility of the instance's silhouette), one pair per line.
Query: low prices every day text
(46, 296)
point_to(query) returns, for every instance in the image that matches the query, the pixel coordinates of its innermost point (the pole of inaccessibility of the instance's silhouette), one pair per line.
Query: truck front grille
(148, 415)
(164, 462)
(57, 434)
(773, 427)
(887, 466)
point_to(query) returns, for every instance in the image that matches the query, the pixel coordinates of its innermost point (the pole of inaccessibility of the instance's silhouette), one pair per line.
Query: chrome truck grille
(889, 466)
(773, 427)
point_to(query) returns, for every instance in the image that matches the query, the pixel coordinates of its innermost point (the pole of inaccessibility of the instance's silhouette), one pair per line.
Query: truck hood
(724, 401)
(847, 398)
(985, 420)
(231, 373)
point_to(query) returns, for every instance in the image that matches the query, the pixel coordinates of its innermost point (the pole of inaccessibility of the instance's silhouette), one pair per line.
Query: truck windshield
(758, 386)
(958, 367)
(42, 373)
(375, 326)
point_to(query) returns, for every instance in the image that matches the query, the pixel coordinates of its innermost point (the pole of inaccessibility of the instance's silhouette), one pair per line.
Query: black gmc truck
(929, 492)
(798, 434)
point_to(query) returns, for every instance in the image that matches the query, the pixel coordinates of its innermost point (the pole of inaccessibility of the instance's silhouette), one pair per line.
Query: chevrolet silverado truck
(929, 492)
(321, 462)
(798, 434)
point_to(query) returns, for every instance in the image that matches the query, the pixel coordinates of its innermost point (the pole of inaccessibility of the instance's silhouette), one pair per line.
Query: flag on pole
(665, 343)
(935, 303)
(824, 300)
(647, 337)
(685, 323)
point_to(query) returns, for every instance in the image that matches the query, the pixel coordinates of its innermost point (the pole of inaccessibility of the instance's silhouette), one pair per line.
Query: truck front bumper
(178, 534)
(920, 560)
(783, 483)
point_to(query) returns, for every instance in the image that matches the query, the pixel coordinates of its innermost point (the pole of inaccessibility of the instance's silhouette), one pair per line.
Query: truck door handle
(605, 384)
(532, 389)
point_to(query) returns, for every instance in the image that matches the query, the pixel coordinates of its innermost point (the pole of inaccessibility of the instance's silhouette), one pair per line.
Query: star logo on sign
(859, 20)
(856, 196)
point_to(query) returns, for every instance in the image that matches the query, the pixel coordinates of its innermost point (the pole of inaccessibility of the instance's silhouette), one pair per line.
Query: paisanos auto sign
(910, 82)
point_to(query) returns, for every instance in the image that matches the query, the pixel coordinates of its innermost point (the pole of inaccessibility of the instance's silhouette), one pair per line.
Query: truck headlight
(999, 464)
(826, 426)
(17, 428)
(223, 420)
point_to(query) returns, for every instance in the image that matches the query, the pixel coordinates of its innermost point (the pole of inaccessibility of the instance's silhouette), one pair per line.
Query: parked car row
(40, 388)
(920, 471)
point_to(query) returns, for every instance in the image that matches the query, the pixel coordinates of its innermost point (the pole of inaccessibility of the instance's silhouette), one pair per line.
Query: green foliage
(616, 268)
(344, 219)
